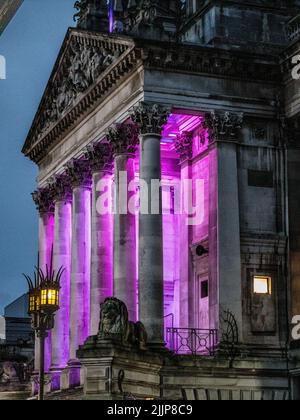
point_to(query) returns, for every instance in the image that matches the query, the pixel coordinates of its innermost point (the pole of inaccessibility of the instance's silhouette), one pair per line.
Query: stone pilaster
(184, 148)
(44, 202)
(151, 119)
(100, 158)
(224, 129)
(62, 196)
(124, 139)
(79, 173)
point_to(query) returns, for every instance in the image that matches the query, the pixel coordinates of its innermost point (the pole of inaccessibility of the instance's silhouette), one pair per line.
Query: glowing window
(262, 285)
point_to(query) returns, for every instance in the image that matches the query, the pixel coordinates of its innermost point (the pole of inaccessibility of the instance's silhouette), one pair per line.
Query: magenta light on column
(110, 15)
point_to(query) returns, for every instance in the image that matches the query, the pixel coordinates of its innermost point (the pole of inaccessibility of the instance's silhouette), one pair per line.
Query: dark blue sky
(30, 45)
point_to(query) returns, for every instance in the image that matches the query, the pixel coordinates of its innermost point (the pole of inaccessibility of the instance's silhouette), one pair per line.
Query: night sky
(30, 45)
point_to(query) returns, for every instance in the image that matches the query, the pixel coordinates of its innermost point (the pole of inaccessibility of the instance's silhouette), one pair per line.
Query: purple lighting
(110, 15)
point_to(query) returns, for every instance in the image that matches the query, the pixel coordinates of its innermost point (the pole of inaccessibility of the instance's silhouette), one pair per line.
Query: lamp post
(43, 303)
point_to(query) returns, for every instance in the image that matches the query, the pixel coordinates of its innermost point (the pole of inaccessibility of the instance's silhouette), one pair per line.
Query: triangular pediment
(86, 68)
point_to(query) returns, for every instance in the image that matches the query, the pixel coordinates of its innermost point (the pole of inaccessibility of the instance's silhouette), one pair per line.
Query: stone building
(200, 95)
(8, 8)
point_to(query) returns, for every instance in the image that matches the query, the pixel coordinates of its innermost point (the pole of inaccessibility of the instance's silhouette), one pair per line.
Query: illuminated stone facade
(193, 97)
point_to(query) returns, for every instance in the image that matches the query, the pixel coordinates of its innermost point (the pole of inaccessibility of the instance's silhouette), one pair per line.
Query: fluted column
(45, 207)
(150, 119)
(124, 139)
(62, 195)
(78, 171)
(100, 159)
(184, 148)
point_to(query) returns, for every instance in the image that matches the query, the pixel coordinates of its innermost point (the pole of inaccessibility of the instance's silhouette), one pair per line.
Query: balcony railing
(192, 341)
(293, 29)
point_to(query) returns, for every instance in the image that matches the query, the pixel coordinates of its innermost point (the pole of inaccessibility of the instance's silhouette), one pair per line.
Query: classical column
(45, 207)
(62, 195)
(79, 173)
(150, 119)
(224, 220)
(124, 139)
(184, 148)
(100, 159)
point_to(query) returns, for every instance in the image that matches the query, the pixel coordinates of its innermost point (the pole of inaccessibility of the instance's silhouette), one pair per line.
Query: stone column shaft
(80, 265)
(224, 221)
(125, 282)
(44, 203)
(184, 148)
(123, 139)
(80, 277)
(150, 119)
(151, 281)
(100, 158)
(62, 258)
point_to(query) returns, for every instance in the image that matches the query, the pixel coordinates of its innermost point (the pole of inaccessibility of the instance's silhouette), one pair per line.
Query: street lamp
(43, 303)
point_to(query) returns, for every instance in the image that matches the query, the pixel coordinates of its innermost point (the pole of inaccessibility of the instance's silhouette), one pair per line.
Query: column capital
(223, 125)
(184, 146)
(290, 131)
(123, 138)
(43, 200)
(61, 188)
(99, 156)
(150, 118)
(79, 172)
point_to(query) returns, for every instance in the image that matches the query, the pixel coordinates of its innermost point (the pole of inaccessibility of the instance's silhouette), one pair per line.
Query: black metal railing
(192, 341)
(293, 29)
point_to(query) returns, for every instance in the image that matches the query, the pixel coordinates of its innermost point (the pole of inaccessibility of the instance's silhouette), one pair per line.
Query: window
(262, 179)
(204, 289)
(262, 285)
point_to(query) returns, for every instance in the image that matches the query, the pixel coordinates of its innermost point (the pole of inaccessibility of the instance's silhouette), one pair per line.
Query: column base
(158, 346)
(73, 375)
(56, 378)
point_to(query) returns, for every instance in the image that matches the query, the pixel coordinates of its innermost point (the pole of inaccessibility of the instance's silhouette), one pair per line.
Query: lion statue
(114, 323)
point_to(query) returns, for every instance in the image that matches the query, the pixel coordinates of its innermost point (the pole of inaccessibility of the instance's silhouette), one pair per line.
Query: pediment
(87, 67)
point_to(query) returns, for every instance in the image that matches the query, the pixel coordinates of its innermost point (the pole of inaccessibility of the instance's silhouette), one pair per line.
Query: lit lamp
(49, 298)
(43, 302)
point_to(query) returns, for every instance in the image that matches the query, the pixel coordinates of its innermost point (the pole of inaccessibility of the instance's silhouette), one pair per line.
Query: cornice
(133, 53)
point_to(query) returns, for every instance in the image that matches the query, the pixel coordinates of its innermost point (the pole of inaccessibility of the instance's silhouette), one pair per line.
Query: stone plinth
(103, 360)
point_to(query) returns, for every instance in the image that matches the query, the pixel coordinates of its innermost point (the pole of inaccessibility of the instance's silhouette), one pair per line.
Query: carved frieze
(148, 18)
(123, 138)
(150, 118)
(61, 188)
(85, 64)
(43, 199)
(100, 156)
(184, 146)
(80, 78)
(79, 172)
(223, 125)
